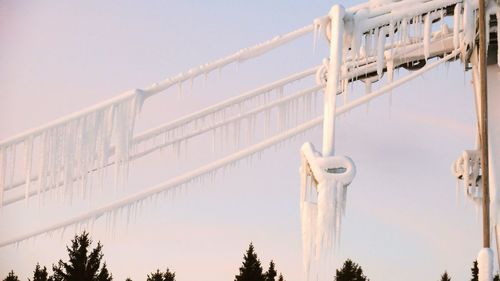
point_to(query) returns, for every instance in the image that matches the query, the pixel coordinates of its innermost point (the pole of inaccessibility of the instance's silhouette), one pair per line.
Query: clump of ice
(467, 168)
(324, 182)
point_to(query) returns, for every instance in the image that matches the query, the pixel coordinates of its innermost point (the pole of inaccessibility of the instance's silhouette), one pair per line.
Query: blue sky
(403, 219)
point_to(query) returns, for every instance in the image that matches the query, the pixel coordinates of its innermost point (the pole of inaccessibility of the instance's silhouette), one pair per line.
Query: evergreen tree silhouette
(155, 276)
(271, 273)
(40, 274)
(445, 277)
(280, 278)
(11, 277)
(169, 276)
(475, 271)
(128, 279)
(350, 271)
(160, 276)
(82, 265)
(251, 269)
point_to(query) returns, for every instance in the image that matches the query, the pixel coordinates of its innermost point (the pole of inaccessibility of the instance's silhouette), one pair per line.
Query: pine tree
(82, 265)
(11, 277)
(475, 271)
(350, 271)
(271, 273)
(251, 270)
(445, 277)
(169, 276)
(40, 274)
(160, 276)
(155, 276)
(280, 278)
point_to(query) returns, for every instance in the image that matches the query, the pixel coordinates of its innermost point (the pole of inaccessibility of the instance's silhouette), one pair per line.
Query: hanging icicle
(324, 182)
(73, 147)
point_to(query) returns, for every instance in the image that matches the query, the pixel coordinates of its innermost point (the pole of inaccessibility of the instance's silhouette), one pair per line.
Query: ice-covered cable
(95, 213)
(214, 109)
(193, 122)
(110, 120)
(224, 123)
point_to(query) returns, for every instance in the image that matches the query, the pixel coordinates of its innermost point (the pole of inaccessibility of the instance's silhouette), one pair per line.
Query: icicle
(456, 25)
(28, 156)
(391, 34)
(390, 66)
(468, 23)
(368, 45)
(356, 42)
(3, 158)
(321, 215)
(404, 31)
(380, 51)
(427, 35)
(11, 162)
(317, 29)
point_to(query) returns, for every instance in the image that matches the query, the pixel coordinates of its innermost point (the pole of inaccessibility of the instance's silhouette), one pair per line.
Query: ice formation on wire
(134, 202)
(324, 182)
(74, 145)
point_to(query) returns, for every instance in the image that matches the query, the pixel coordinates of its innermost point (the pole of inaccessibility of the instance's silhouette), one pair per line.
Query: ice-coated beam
(337, 37)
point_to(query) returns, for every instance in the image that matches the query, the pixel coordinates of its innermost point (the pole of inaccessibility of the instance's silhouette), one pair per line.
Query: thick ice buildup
(323, 201)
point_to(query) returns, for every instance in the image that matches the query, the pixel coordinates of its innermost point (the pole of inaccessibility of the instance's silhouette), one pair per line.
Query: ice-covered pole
(336, 30)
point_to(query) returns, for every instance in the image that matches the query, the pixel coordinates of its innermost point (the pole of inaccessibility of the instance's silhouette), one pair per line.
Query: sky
(405, 220)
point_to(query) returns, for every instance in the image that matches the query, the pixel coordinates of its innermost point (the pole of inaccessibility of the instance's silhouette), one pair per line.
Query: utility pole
(485, 258)
(484, 124)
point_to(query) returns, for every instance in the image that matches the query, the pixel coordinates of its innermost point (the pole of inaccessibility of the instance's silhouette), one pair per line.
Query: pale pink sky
(403, 221)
